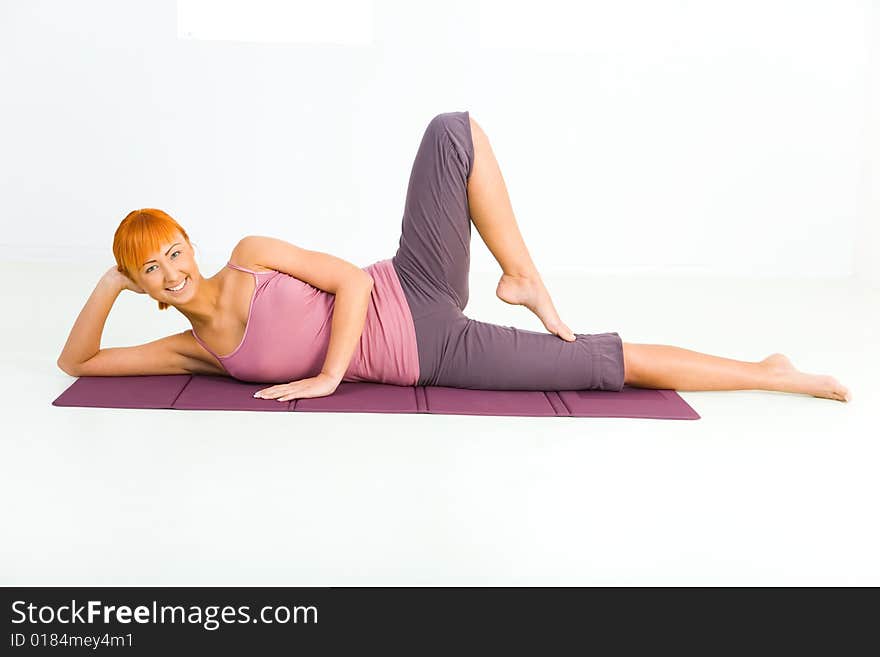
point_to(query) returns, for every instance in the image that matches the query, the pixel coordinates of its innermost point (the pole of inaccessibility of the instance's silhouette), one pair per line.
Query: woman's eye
(150, 268)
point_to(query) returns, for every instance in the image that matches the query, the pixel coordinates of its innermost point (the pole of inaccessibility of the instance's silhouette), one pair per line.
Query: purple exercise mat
(216, 393)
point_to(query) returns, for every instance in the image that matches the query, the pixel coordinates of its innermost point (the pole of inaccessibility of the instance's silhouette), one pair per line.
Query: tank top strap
(256, 273)
(257, 286)
(201, 342)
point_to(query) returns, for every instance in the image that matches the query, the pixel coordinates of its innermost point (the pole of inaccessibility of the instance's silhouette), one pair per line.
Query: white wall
(724, 137)
(867, 258)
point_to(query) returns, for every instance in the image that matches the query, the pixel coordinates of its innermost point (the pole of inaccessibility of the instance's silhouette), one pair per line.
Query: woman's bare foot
(531, 293)
(786, 377)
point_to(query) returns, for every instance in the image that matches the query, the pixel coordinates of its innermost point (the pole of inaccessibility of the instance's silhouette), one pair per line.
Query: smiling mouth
(180, 288)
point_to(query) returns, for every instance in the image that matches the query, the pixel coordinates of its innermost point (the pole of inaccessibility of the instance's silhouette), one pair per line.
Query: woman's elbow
(66, 367)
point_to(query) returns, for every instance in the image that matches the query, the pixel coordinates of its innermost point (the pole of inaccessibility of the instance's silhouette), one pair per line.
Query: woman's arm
(349, 316)
(85, 336)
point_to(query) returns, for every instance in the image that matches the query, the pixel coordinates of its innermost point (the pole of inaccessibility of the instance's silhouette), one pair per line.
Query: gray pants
(433, 262)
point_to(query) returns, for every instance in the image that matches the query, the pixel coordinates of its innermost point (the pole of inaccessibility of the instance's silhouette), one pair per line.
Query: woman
(305, 321)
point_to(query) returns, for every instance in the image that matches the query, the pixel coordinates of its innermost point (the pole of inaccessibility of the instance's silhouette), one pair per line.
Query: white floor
(765, 489)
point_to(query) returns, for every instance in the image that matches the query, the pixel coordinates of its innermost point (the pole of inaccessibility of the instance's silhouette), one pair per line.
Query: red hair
(141, 233)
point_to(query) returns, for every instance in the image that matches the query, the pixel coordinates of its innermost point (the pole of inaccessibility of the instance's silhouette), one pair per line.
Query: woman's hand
(317, 386)
(116, 277)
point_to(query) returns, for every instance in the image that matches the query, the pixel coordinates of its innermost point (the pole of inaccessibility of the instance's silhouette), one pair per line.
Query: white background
(692, 173)
(707, 137)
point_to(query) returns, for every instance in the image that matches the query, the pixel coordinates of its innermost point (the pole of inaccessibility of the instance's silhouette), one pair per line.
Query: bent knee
(476, 131)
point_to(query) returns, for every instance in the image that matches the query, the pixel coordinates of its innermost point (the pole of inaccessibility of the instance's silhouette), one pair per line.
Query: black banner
(151, 621)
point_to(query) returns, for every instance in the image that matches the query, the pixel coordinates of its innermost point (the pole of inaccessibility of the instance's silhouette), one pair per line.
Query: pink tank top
(288, 332)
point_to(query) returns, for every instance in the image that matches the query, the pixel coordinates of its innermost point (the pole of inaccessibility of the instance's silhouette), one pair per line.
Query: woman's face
(169, 267)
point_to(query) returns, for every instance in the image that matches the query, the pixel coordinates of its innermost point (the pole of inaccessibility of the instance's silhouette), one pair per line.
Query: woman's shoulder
(244, 256)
